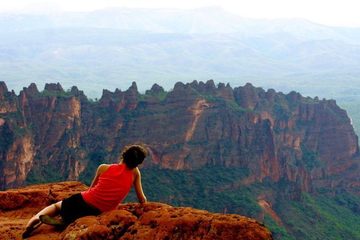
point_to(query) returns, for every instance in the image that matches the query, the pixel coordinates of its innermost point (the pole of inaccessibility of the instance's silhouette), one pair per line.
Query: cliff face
(128, 221)
(274, 136)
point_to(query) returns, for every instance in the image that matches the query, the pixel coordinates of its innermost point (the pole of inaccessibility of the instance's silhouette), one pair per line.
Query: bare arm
(102, 168)
(138, 187)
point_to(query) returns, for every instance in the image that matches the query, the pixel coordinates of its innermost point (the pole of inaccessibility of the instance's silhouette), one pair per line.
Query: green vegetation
(318, 216)
(6, 138)
(229, 104)
(95, 159)
(235, 107)
(322, 217)
(160, 96)
(279, 232)
(13, 117)
(209, 188)
(64, 94)
(211, 98)
(48, 173)
(310, 158)
(281, 111)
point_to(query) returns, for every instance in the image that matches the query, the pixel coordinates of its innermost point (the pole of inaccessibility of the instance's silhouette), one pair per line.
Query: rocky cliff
(128, 221)
(60, 135)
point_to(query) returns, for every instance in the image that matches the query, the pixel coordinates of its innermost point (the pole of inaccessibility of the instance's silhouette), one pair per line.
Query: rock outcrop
(276, 136)
(128, 221)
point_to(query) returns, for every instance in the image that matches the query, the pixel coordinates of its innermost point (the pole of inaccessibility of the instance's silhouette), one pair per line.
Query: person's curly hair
(133, 155)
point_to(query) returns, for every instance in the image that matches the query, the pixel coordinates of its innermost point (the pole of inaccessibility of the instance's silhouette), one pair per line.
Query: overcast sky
(330, 12)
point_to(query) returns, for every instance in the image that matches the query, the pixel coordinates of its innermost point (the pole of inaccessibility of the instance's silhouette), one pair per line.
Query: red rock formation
(247, 96)
(120, 100)
(272, 135)
(3, 90)
(266, 206)
(7, 100)
(18, 161)
(129, 221)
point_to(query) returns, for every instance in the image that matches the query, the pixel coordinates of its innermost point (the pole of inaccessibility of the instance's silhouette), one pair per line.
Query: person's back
(112, 187)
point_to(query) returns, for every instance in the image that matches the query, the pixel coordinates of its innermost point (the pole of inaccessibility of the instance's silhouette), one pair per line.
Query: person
(109, 187)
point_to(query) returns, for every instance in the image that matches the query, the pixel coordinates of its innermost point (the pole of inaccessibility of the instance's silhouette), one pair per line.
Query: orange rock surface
(129, 221)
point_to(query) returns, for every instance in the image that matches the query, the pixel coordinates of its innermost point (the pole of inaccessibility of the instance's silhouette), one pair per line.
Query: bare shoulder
(102, 168)
(136, 172)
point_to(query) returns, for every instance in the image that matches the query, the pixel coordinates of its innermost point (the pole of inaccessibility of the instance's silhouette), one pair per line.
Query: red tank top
(112, 187)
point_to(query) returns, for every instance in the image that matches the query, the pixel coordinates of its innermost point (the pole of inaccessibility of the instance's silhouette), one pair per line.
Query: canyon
(275, 136)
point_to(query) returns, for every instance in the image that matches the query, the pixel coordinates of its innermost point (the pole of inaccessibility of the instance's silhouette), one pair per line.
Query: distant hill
(123, 45)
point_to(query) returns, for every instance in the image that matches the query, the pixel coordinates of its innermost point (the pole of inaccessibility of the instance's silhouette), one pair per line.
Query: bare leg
(51, 210)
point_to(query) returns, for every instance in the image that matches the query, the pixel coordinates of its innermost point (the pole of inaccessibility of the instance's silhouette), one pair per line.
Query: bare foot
(33, 224)
(33, 221)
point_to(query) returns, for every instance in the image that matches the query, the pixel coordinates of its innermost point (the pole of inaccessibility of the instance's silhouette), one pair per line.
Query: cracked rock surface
(129, 221)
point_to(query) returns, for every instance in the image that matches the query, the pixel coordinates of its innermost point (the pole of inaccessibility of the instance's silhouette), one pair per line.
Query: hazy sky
(330, 12)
